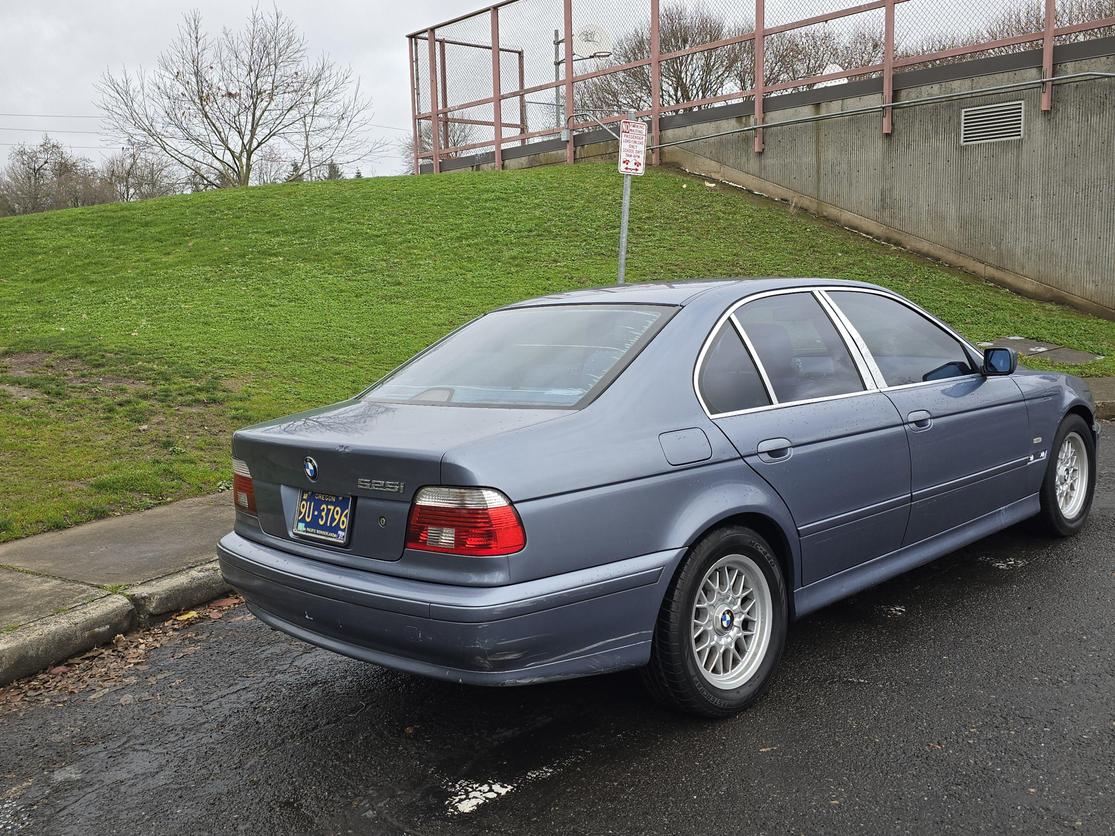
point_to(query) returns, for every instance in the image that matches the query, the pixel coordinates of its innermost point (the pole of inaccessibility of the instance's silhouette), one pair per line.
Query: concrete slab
(1103, 390)
(1020, 344)
(1069, 356)
(1050, 351)
(28, 598)
(129, 549)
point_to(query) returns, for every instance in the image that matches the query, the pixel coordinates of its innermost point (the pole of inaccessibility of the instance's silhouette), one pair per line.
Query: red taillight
(468, 521)
(243, 491)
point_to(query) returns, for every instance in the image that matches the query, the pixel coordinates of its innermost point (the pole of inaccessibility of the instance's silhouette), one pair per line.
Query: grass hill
(135, 338)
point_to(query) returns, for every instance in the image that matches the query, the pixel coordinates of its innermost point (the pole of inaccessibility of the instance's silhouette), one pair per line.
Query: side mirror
(999, 361)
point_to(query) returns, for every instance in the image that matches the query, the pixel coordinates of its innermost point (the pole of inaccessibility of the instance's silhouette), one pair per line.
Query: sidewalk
(67, 591)
(1103, 389)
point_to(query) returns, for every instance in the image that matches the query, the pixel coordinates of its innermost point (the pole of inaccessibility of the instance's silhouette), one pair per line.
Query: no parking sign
(632, 146)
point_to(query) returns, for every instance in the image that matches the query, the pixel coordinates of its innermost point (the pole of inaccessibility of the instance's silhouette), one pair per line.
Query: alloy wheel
(731, 621)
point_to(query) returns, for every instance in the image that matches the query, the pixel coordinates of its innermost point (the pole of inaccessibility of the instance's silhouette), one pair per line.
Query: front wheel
(1070, 479)
(722, 627)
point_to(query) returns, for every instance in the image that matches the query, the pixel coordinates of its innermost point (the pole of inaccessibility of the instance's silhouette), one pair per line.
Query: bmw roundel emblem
(310, 468)
(726, 619)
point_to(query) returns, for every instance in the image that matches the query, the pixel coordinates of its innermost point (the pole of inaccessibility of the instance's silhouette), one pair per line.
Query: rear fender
(738, 495)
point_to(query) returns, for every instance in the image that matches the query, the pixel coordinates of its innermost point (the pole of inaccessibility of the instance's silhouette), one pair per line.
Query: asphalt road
(974, 695)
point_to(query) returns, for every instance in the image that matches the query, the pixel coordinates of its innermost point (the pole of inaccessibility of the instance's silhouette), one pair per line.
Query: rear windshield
(555, 356)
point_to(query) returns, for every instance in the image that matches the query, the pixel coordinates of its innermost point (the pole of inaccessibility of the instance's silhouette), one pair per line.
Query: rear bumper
(586, 622)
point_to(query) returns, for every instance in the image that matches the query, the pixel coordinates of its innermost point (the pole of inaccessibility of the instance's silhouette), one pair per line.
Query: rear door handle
(920, 419)
(775, 450)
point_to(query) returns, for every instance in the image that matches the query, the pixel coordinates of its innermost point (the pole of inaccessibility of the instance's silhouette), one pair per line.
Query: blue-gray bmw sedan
(655, 476)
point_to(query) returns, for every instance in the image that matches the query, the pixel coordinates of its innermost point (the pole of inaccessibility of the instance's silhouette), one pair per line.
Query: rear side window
(906, 346)
(551, 356)
(802, 353)
(728, 380)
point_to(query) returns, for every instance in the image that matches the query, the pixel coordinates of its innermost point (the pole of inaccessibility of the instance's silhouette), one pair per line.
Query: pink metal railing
(441, 114)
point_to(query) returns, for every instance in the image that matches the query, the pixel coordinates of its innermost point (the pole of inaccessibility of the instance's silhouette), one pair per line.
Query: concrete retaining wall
(1035, 214)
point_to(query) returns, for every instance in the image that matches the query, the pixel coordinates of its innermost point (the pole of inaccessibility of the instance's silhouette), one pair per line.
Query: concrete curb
(48, 641)
(42, 643)
(177, 591)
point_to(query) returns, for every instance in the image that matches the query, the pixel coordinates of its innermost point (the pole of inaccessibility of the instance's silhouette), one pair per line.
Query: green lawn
(134, 339)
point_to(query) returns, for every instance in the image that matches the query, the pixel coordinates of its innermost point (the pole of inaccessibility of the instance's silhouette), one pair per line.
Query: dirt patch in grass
(20, 392)
(24, 363)
(71, 370)
(116, 380)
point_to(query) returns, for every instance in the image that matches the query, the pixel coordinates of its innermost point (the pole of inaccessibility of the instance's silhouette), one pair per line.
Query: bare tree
(213, 105)
(1010, 23)
(695, 76)
(46, 176)
(726, 69)
(804, 53)
(26, 182)
(133, 174)
(458, 134)
(270, 167)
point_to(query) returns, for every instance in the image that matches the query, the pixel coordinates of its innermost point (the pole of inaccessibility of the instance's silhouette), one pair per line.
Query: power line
(81, 116)
(83, 147)
(50, 115)
(51, 131)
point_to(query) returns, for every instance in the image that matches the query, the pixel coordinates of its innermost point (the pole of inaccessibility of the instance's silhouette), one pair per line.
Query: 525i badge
(385, 485)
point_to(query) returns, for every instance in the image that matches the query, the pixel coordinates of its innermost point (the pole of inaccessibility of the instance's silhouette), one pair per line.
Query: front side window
(802, 353)
(550, 356)
(728, 380)
(906, 346)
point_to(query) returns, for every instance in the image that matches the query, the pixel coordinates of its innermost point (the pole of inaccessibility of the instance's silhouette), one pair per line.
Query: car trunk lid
(379, 454)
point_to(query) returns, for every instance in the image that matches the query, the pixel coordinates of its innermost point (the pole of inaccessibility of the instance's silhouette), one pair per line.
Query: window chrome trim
(965, 346)
(784, 404)
(864, 366)
(868, 381)
(749, 347)
(853, 340)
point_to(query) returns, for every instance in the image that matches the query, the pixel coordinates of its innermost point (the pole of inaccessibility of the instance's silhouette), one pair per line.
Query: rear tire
(1070, 479)
(722, 627)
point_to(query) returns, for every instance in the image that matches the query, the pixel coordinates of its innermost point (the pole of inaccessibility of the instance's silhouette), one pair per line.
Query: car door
(781, 381)
(969, 434)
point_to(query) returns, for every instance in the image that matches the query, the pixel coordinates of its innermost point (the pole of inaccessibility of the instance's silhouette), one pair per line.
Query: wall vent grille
(992, 123)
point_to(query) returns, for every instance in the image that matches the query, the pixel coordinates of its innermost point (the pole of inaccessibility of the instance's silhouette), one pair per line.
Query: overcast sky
(54, 51)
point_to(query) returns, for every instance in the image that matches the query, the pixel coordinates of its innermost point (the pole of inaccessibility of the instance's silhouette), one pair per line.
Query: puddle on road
(467, 796)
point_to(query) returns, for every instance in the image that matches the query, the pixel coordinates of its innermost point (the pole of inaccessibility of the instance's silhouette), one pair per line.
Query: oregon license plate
(323, 516)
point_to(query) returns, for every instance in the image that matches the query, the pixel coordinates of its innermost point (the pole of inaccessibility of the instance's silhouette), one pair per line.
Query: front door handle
(775, 450)
(920, 419)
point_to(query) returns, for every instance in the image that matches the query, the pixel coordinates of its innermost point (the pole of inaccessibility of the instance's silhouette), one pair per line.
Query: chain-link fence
(534, 70)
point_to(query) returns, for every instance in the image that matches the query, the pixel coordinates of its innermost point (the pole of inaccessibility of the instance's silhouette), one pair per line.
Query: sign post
(632, 161)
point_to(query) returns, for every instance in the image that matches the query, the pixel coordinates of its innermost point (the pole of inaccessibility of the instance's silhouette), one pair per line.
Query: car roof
(683, 292)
